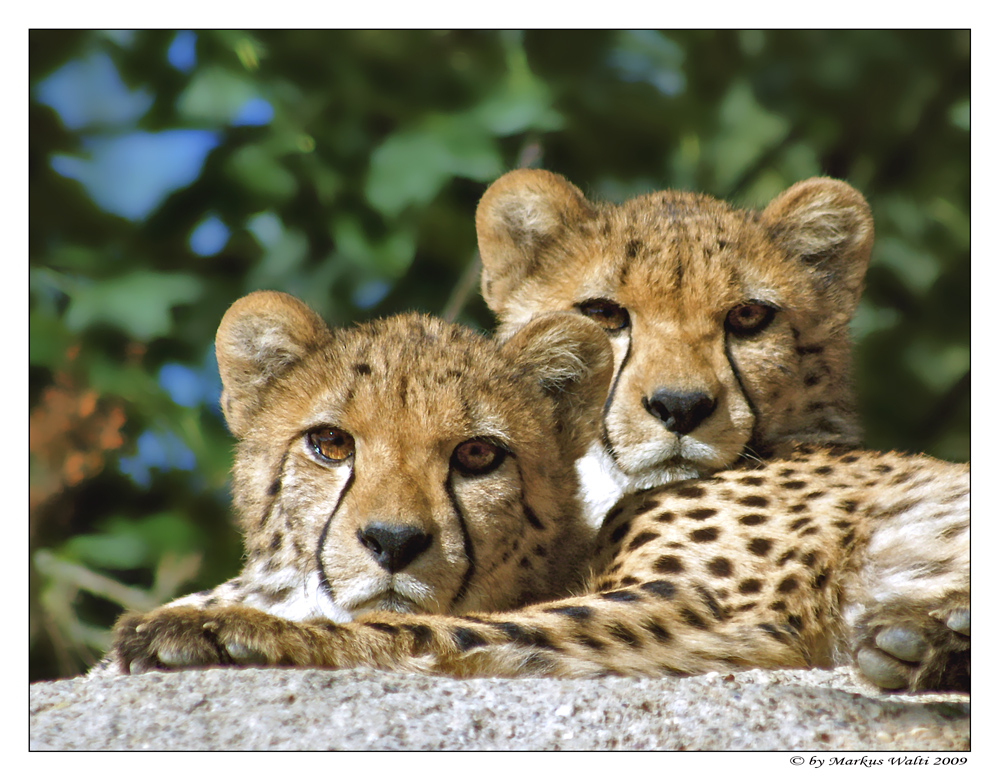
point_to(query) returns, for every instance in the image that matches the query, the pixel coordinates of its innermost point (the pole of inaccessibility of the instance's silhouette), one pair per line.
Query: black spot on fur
(610, 517)
(794, 485)
(720, 567)
(641, 539)
(710, 602)
(654, 627)
(362, 368)
(576, 612)
(778, 606)
(759, 546)
(848, 459)
(422, 635)
(787, 585)
(275, 541)
(848, 505)
(690, 491)
(466, 638)
(591, 642)
(754, 501)
(274, 487)
(665, 517)
(668, 565)
(752, 480)
(526, 635)
(750, 586)
(622, 595)
(772, 630)
(693, 619)
(787, 556)
(809, 559)
(702, 513)
(389, 629)
(663, 589)
(620, 532)
(753, 520)
(532, 518)
(707, 534)
(799, 523)
(625, 635)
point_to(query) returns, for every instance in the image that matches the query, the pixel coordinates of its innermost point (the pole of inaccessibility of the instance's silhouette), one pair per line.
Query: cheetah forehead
(403, 371)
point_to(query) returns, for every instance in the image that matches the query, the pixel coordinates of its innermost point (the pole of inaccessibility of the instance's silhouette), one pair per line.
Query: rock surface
(364, 709)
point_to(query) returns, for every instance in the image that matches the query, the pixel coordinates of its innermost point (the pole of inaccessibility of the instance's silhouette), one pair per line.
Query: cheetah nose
(394, 546)
(680, 412)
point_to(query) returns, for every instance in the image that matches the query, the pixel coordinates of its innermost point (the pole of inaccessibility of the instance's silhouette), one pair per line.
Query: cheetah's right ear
(571, 359)
(260, 338)
(522, 214)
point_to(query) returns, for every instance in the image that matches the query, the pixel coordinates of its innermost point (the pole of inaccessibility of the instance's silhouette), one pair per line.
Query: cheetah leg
(640, 632)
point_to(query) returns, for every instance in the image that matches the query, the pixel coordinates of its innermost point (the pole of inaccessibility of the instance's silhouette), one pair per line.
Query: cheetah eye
(477, 457)
(606, 313)
(749, 319)
(331, 444)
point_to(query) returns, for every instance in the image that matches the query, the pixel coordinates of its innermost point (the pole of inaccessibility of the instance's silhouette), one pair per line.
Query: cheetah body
(739, 524)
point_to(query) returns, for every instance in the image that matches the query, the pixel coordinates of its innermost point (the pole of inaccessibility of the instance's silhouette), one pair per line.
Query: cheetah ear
(522, 214)
(826, 224)
(260, 338)
(570, 357)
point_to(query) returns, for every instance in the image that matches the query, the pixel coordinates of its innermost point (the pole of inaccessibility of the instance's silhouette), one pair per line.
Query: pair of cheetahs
(653, 469)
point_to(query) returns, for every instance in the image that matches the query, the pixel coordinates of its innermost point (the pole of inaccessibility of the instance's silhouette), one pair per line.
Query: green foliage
(345, 167)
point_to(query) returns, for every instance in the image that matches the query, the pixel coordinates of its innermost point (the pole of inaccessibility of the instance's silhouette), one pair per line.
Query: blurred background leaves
(173, 171)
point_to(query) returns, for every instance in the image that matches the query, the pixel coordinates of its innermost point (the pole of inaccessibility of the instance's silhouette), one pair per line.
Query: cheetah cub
(408, 497)
(405, 465)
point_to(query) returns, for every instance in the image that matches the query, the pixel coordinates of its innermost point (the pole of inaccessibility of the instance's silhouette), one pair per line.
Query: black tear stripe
(530, 514)
(274, 488)
(324, 582)
(605, 438)
(470, 554)
(743, 390)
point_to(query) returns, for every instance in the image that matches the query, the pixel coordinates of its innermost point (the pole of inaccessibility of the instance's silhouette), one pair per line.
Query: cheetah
(682, 580)
(405, 465)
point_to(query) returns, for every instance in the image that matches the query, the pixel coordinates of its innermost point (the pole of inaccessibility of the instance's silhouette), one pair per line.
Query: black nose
(680, 412)
(392, 545)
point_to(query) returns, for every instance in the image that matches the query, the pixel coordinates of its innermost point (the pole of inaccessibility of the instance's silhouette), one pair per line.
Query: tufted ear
(260, 338)
(520, 215)
(570, 357)
(826, 224)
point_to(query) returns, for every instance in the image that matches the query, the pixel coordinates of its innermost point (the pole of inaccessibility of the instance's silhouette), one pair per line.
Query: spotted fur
(752, 530)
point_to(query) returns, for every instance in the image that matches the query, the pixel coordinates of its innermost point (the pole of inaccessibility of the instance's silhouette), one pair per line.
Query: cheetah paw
(904, 648)
(187, 637)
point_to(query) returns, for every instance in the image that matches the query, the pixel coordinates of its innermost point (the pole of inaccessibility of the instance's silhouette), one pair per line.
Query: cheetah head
(407, 464)
(729, 327)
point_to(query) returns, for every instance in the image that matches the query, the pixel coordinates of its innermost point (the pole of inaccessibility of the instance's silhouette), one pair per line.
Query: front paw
(176, 638)
(903, 647)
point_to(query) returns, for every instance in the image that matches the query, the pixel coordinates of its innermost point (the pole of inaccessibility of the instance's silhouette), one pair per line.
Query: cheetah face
(729, 327)
(406, 465)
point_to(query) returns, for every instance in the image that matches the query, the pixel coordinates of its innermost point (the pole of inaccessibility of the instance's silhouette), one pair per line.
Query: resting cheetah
(693, 601)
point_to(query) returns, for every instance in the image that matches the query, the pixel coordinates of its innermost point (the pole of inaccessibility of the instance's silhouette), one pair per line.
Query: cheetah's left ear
(261, 337)
(826, 224)
(570, 357)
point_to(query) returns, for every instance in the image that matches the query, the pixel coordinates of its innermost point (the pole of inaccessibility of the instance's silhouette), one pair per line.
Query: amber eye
(749, 319)
(606, 313)
(477, 457)
(331, 444)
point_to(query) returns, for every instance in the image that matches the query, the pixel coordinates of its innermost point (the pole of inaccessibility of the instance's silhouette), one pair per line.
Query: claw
(960, 621)
(904, 644)
(244, 655)
(882, 670)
